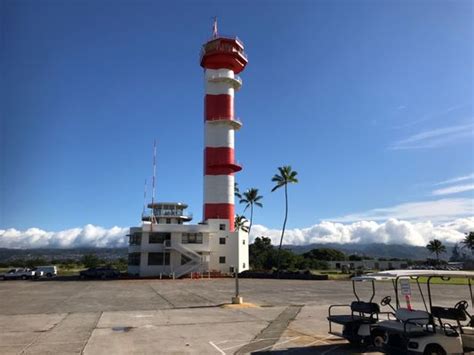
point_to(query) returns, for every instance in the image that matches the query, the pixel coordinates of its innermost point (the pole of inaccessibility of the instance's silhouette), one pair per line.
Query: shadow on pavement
(320, 349)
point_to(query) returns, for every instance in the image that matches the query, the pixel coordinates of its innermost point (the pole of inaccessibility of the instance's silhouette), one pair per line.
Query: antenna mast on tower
(144, 200)
(153, 218)
(214, 28)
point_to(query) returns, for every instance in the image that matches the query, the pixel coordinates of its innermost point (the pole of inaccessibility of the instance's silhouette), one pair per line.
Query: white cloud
(432, 116)
(456, 179)
(88, 236)
(392, 231)
(434, 138)
(437, 211)
(411, 223)
(453, 189)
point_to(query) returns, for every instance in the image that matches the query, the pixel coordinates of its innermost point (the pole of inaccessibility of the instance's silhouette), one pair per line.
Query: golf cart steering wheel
(461, 305)
(386, 301)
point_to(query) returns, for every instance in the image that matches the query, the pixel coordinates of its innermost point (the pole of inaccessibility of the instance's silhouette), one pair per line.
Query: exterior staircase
(195, 262)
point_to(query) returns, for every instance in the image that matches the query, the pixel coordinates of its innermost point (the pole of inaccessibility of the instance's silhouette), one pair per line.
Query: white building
(170, 247)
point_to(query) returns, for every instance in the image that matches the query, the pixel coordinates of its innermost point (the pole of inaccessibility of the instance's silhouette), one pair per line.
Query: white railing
(236, 122)
(225, 76)
(195, 264)
(187, 268)
(186, 251)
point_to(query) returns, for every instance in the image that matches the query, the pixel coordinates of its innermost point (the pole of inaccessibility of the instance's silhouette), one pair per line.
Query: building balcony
(234, 80)
(236, 123)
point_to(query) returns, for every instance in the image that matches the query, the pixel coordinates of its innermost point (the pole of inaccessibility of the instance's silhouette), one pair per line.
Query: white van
(48, 271)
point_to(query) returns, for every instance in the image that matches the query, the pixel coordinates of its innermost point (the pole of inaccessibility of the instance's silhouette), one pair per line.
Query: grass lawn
(452, 281)
(332, 274)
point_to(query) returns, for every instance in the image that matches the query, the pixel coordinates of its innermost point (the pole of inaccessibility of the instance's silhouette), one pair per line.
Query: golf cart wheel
(379, 339)
(49, 275)
(434, 349)
(23, 277)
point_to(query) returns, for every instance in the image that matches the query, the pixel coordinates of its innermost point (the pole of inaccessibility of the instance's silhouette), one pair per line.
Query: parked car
(100, 273)
(20, 273)
(47, 271)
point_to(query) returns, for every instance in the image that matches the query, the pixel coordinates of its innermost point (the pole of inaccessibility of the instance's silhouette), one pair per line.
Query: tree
(435, 246)
(237, 191)
(90, 260)
(455, 255)
(355, 257)
(468, 241)
(325, 254)
(240, 223)
(286, 176)
(261, 254)
(251, 198)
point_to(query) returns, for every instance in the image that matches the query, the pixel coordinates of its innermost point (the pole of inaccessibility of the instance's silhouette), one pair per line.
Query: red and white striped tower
(222, 58)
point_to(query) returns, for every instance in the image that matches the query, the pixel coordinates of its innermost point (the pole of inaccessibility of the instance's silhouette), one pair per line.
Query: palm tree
(286, 176)
(240, 223)
(237, 191)
(435, 246)
(468, 241)
(250, 198)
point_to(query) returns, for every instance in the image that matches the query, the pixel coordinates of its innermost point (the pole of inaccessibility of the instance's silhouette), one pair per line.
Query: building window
(221, 240)
(222, 227)
(135, 239)
(134, 259)
(243, 241)
(221, 259)
(191, 238)
(157, 259)
(243, 265)
(158, 237)
(168, 220)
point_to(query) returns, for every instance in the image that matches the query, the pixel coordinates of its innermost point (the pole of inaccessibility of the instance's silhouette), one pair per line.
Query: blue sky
(370, 101)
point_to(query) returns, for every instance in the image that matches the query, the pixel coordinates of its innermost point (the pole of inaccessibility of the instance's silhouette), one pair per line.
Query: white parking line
(217, 348)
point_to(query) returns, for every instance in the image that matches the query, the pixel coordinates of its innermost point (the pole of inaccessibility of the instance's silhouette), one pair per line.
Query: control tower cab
(168, 213)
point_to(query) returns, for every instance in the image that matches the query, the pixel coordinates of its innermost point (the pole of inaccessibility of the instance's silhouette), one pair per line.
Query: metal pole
(236, 282)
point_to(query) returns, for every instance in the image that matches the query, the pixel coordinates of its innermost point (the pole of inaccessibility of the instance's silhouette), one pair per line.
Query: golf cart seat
(409, 322)
(448, 313)
(362, 312)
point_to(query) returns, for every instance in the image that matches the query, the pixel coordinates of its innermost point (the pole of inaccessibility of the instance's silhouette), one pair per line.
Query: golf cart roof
(393, 274)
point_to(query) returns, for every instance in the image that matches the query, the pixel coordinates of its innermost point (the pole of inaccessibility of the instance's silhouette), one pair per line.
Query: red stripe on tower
(222, 58)
(218, 107)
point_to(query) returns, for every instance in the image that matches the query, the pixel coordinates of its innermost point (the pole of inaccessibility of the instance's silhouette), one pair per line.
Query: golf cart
(435, 330)
(359, 317)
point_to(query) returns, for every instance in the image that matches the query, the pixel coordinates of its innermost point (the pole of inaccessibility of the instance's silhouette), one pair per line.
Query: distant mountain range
(50, 254)
(401, 251)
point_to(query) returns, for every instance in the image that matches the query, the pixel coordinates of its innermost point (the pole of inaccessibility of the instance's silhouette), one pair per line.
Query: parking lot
(176, 316)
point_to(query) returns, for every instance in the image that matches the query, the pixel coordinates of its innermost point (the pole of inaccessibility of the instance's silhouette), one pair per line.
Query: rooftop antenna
(214, 28)
(153, 218)
(144, 200)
